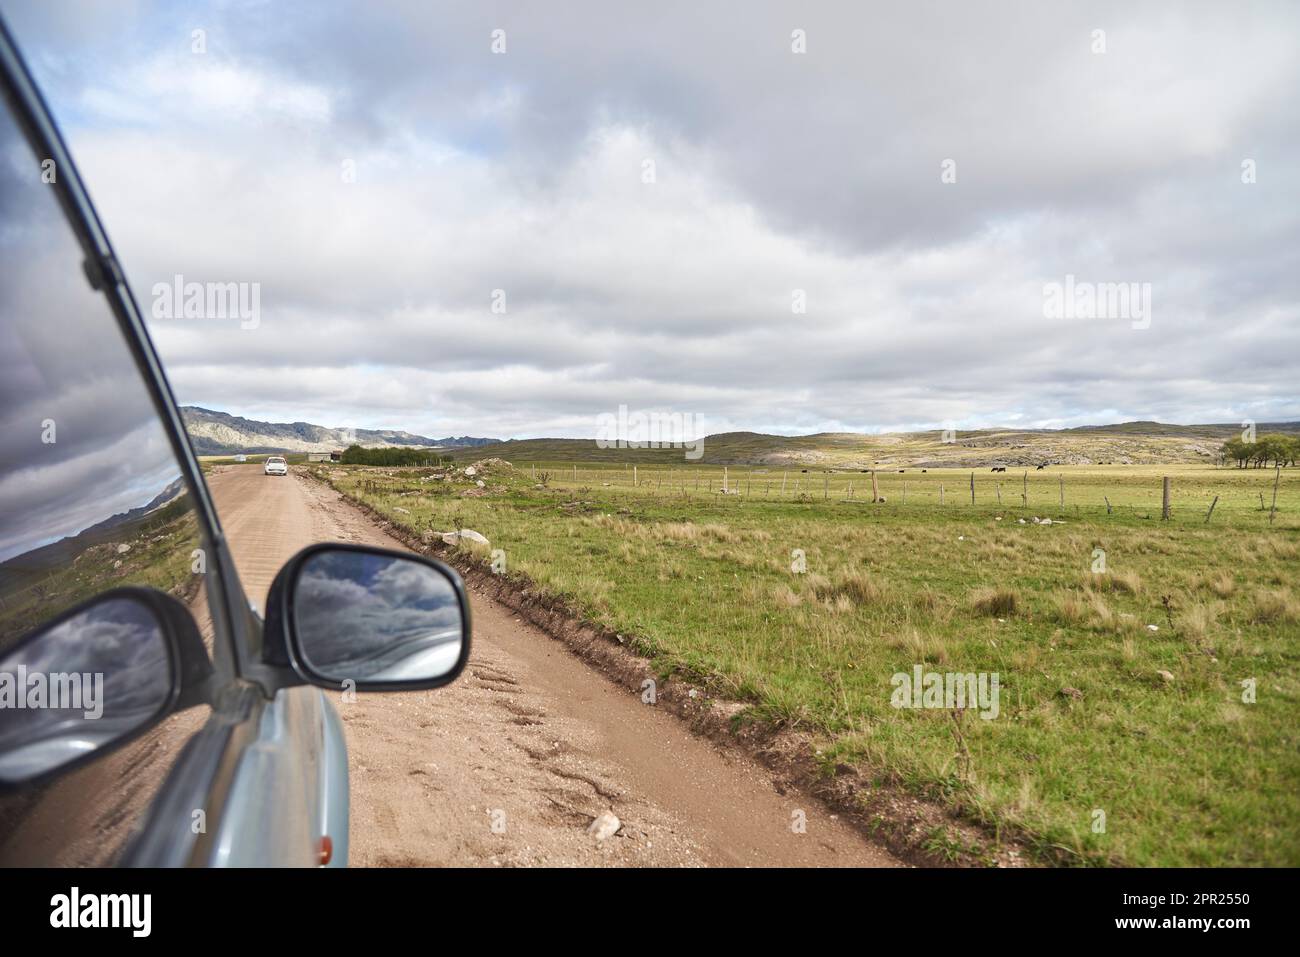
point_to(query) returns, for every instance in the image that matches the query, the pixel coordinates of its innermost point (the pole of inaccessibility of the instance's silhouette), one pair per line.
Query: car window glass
(91, 498)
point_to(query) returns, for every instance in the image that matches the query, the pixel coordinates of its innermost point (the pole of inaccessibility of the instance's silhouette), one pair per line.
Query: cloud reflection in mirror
(84, 683)
(376, 618)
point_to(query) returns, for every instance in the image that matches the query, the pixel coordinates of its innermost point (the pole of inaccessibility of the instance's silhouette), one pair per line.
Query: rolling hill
(1128, 443)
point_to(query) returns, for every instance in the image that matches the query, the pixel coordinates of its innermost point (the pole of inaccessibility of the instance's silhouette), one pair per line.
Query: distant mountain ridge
(219, 433)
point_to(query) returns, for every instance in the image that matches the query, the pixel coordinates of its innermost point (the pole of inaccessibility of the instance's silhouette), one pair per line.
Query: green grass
(1185, 771)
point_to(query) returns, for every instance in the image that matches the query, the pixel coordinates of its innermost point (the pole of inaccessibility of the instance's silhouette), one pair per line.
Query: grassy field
(1121, 690)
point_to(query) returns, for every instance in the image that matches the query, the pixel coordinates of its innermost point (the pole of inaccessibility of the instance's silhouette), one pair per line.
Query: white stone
(605, 826)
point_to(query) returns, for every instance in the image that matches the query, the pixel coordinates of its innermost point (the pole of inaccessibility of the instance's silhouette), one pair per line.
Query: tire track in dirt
(508, 765)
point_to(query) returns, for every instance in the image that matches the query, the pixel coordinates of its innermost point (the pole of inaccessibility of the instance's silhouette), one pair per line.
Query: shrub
(356, 455)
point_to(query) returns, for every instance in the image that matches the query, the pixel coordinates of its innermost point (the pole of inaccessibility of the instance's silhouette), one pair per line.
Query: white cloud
(772, 173)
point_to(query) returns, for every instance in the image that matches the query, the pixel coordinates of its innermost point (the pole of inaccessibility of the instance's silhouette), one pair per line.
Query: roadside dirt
(509, 765)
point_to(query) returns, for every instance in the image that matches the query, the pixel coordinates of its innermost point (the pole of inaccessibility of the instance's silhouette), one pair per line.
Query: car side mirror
(94, 678)
(367, 619)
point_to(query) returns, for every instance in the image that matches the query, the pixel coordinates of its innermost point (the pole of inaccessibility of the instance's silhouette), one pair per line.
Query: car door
(99, 490)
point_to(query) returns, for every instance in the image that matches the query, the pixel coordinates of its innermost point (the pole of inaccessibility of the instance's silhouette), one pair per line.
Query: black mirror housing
(354, 617)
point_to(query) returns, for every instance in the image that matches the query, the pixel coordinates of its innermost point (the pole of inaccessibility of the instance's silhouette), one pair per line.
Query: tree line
(1273, 448)
(356, 455)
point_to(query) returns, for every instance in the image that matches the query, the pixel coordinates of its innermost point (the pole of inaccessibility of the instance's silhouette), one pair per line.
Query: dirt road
(510, 764)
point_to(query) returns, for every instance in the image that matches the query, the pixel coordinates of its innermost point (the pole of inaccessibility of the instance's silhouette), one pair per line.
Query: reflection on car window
(91, 498)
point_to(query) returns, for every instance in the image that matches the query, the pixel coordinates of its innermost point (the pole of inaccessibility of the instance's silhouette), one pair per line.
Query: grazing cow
(901, 471)
(1041, 467)
(925, 470)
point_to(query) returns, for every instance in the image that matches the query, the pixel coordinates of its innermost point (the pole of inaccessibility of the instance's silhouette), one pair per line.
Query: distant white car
(276, 465)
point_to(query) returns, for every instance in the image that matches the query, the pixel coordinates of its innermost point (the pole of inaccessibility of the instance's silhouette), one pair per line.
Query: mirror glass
(81, 684)
(375, 618)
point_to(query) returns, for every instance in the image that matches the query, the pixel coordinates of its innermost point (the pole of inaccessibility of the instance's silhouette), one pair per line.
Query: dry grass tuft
(1127, 582)
(786, 596)
(1221, 583)
(920, 646)
(1069, 609)
(994, 601)
(1269, 607)
(1197, 621)
(855, 587)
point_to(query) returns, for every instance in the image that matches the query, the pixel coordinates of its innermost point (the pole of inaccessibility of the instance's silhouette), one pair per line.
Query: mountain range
(219, 433)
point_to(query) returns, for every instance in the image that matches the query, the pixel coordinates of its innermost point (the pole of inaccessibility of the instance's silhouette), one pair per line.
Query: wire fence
(1203, 493)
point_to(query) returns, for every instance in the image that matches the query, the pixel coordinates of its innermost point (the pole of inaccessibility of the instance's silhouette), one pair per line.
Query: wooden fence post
(875, 489)
(1276, 478)
(1164, 502)
(972, 488)
(940, 493)
(1211, 511)
(1024, 491)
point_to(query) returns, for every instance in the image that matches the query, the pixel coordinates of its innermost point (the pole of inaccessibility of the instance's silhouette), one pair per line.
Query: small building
(241, 457)
(333, 455)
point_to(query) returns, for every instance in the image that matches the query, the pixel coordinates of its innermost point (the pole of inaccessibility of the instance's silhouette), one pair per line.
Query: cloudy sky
(649, 188)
